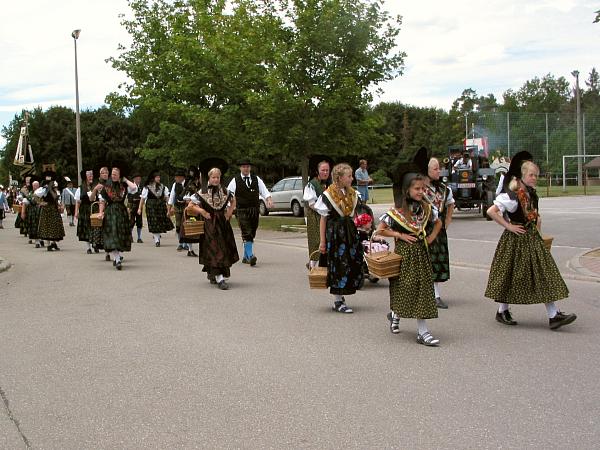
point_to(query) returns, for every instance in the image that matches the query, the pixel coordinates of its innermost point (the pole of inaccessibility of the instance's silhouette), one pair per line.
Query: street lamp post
(75, 35)
(575, 73)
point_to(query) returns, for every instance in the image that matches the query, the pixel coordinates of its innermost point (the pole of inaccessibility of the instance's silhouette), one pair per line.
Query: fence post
(548, 181)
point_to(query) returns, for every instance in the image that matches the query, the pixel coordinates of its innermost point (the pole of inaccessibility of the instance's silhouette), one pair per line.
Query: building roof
(593, 164)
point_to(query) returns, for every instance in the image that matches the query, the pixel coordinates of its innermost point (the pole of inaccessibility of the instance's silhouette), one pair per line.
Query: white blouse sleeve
(166, 194)
(144, 193)
(505, 204)
(231, 186)
(78, 195)
(321, 207)
(194, 199)
(41, 192)
(262, 189)
(310, 195)
(449, 197)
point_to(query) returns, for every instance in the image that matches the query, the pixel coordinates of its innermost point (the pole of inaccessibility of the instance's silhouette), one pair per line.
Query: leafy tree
(272, 80)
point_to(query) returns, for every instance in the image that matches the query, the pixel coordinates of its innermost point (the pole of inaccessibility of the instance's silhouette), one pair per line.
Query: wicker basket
(385, 264)
(547, 242)
(192, 228)
(317, 276)
(95, 219)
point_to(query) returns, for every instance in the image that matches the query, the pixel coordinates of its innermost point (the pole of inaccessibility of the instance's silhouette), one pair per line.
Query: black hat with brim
(315, 160)
(421, 160)
(151, 176)
(514, 169)
(213, 162)
(179, 172)
(245, 162)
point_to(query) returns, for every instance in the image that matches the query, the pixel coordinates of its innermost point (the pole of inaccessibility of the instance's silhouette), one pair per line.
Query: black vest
(83, 197)
(519, 215)
(246, 197)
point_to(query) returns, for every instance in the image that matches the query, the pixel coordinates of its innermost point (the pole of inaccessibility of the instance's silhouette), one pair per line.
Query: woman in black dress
(218, 251)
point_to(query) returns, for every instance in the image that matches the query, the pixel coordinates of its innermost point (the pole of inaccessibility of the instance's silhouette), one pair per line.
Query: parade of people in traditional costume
(83, 209)
(218, 251)
(411, 292)
(248, 188)
(133, 205)
(319, 166)
(24, 192)
(116, 230)
(523, 271)
(439, 196)
(50, 227)
(338, 237)
(176, 205)
(155, 196)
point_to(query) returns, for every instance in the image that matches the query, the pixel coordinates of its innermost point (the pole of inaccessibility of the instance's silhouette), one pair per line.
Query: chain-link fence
(547, 136)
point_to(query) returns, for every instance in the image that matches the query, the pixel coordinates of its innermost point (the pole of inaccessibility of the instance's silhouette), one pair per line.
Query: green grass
(274, 223)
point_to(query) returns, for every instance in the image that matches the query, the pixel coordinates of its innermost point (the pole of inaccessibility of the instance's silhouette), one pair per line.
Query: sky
(490, 46)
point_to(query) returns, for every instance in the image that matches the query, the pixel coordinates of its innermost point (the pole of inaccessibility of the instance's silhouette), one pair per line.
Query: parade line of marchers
(341, 231)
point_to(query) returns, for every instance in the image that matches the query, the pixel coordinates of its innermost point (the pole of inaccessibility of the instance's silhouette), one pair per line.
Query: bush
(380, 177)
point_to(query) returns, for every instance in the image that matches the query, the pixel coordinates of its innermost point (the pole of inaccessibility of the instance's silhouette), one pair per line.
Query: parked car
(287, 196)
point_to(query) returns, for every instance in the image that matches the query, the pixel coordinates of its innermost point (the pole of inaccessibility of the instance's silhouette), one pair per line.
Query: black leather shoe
(89, 251)
(157, 244)
(253, 260)
(139, 241)
(561, 319)
(191, 253)
(505, 318)
(107, 257)
(223, 285)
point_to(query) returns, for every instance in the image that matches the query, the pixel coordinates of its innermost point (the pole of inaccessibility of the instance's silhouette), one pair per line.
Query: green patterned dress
(411, 293)
(439, 197)
(156, 209)
(523, 271)
(116, 231)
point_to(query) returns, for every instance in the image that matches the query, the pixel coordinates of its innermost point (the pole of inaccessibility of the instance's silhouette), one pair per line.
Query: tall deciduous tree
(267, 79)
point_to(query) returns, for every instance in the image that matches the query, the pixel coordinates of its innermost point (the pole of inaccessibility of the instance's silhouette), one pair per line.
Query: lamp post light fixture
(575, 73)
(75, 35)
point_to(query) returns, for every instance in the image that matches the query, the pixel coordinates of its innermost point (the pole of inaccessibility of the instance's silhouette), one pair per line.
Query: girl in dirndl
(523, 271)
(83, 209)
(339, 238)
(440, 198)
(155, 197)
(217, 251)
(411, 293)
(50, 223)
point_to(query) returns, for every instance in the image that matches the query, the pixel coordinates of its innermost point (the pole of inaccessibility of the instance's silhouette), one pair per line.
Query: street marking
(495, 242)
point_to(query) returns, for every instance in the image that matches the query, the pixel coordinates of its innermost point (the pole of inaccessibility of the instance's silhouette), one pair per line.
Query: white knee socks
(422, 326)
(551, 309)
(436, 288)
(156, 237)
(502, 307)
(219, 278)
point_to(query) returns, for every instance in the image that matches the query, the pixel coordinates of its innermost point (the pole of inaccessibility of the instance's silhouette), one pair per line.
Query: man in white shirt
(247, 188)
(464, 163)
(176, 205)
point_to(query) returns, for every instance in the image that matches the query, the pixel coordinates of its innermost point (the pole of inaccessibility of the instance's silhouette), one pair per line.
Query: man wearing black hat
(176, 205)
(247, 187)
(68, 200)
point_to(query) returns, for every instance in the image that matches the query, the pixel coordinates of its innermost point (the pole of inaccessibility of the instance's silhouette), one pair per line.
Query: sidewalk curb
(575, 264)
(4, 265)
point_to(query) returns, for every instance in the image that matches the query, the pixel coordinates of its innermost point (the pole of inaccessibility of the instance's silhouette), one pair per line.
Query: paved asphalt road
(155, 357)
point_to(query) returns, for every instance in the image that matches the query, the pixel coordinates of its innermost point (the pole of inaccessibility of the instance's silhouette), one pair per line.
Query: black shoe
(440, 303)
(42, 243)
(341, 307)
(139, 241)
(37, 245)
(561, 319)
(505, 318)
(49, 248)
(30, 241)
(191, 253)
(89, 251)
(253, 260)
(427, 339)
(55, 246)
(245, 260)
(96, 250)
(118, 265)
(180, 248)
(223, 285)
(107, 257)
(157, 244)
